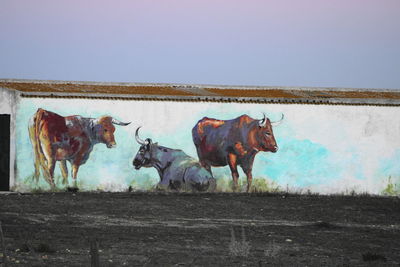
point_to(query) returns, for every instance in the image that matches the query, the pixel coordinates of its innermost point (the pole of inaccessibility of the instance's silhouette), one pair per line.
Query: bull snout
(111, 145)
(137, 164)
(275, 149)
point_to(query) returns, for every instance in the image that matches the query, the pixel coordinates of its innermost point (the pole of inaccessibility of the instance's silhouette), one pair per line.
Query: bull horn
(276, 123)
(263, 121)
(140, 141)
(117, 122)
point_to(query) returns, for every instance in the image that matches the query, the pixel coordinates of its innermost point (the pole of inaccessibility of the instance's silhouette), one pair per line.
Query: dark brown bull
(233, 142)
(57, 138)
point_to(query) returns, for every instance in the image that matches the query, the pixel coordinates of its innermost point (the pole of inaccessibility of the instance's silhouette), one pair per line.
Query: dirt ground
(226, 229)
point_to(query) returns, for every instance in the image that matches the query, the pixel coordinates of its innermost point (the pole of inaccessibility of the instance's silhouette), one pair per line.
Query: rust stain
(100, 89)
(281, 93)
(172, 90)
(358, 94)
(252, 93)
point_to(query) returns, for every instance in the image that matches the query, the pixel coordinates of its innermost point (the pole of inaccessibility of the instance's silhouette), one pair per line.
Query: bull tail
(34, 131)
(195, 135)
(197, 140)
(34, 141)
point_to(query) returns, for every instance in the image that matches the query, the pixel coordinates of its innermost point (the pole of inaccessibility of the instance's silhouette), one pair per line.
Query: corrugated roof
(297, 94)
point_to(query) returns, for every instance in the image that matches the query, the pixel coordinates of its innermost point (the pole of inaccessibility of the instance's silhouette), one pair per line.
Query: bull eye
(105, 130)
(267, 133)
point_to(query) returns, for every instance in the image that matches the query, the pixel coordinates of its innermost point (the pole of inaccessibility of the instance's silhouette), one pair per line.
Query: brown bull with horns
(233, 142)
(57, 138)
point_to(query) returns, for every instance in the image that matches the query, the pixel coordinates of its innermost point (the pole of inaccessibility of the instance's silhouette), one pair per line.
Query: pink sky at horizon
(340, 43)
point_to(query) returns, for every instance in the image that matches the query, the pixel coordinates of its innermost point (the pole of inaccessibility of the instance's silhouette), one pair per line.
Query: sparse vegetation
(259, 185)
(392, 189)
(239, 248)
(262, 185)
(224, 185)
(144, 184)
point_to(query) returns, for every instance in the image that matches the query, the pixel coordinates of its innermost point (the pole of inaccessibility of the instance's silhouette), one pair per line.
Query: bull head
(266, 139)
(105, 130)
(143, 156)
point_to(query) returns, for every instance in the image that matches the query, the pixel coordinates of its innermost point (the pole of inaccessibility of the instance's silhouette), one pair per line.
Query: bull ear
(148, 141)
(263, 122)
(276, 123)
(117, 122)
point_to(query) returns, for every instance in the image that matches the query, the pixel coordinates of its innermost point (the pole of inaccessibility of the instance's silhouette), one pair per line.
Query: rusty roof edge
(200, 87)
(200, 98)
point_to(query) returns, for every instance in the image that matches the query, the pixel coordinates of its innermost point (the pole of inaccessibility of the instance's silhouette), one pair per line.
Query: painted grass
(224, 185)
(392, 188)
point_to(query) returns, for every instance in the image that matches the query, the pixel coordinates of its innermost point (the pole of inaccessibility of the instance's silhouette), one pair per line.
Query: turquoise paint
(299, 163)
(390, 167)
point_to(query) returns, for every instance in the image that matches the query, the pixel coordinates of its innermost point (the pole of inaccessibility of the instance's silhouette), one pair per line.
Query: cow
(57, 138)
(176, 169)
(233, 142)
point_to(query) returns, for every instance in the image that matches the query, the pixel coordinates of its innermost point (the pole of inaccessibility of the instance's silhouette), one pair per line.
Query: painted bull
(177, 170)
(56, 138)
(233, 142)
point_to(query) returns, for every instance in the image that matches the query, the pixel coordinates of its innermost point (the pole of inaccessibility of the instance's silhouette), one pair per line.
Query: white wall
(323, 148)
(5, 101)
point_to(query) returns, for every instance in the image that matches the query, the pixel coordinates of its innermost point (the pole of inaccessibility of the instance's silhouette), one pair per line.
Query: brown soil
(138, 229)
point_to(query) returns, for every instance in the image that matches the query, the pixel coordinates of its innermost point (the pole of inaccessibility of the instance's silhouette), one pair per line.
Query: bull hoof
(237, 189)
(252, 189)
(212, 185)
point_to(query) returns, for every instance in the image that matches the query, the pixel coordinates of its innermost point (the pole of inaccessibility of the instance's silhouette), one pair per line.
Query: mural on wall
(57, 138)
(233, 142)
(322, 148)
(177, 170)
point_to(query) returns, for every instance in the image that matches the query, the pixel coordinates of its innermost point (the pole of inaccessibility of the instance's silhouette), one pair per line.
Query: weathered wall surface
(322, 148)
(5, 101)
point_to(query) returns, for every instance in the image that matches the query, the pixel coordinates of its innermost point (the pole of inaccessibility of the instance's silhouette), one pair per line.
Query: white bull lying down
(177, 170)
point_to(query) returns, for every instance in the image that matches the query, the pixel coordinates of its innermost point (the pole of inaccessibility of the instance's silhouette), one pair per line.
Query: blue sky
(341, 43)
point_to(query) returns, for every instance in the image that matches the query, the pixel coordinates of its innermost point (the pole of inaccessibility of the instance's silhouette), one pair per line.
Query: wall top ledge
(213, 93)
